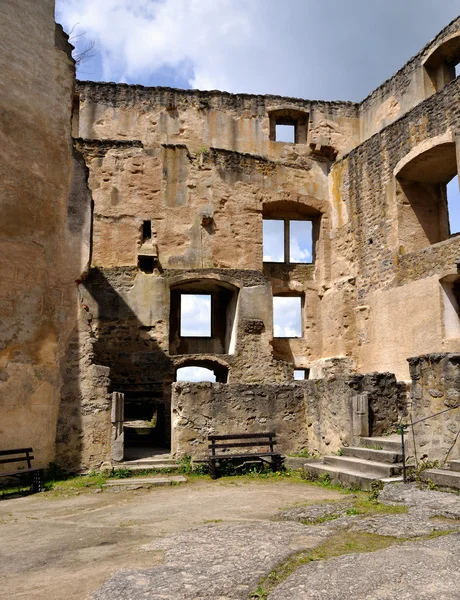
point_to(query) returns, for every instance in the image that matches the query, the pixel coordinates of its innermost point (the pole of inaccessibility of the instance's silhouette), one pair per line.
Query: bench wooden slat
(13, 473)
(241, 436)
(242, 444)
(3, 461)
(242, 455)
(16, 451)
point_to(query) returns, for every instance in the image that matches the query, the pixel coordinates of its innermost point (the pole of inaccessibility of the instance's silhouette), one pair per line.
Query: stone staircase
(448, 477)
(375, 458)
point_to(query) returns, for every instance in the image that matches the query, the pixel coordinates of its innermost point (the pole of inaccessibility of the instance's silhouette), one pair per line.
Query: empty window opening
(287, 316)
(300, 242)
(285, 133)
(457, 69)
(273, 240)
(146, 264)
(453, 204)
(288, 241)
(301, 374)
(195, 374)
(195, 315)
(146, 230)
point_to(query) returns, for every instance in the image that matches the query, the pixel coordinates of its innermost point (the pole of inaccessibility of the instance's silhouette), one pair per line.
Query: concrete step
(346, 476)
(442, 477)
(454, 465)
(392, 443)
(359, 465)
(385, 456)
(138, 482)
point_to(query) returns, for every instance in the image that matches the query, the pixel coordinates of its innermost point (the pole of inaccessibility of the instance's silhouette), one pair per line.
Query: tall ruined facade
(165, 193)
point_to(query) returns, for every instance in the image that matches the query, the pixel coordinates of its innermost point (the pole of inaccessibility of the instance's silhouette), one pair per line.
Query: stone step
(346, 476)
(454, 465)
(359, 465)
(442, 477)
(392, 443)
(138, 465)
(138, 482)
(385, 456)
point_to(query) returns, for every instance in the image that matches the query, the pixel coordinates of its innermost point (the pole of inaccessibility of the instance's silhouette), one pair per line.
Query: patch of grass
(207, 521)
(337, 545)
(127, 523)
(304, 453)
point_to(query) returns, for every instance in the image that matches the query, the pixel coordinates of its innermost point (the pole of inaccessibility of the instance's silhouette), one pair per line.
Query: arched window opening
(427, 197)
(205, 370)
(450, 286)
(195, 374)
(442, 64)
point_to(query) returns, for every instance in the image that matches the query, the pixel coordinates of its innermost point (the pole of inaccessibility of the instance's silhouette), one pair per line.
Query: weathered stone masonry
(163, 192)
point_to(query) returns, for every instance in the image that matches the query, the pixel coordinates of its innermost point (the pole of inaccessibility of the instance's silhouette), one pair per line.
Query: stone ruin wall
(202, 168)
(44, 224)
(435, 388)
(316, 415)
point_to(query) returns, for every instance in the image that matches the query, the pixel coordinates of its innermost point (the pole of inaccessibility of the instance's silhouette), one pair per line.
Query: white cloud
(306, 48)
(287, 316)
(195, 315)
(195, 374)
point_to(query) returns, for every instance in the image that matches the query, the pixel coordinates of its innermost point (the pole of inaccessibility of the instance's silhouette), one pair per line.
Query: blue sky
(339, 49)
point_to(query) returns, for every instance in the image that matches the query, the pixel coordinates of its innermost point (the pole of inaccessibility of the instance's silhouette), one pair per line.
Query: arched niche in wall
(203, 316)
(288, 118)
(198, 368)
(421, 193)
(440, 63)
(290, 232)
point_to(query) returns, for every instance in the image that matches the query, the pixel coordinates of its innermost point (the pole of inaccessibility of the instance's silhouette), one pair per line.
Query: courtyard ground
(277, 538)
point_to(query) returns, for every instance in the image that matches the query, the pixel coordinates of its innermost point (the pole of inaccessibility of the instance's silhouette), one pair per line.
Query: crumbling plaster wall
(44, 223)
(315, 414)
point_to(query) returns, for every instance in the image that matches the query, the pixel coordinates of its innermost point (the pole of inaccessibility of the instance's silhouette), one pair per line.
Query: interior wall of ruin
(42, 223)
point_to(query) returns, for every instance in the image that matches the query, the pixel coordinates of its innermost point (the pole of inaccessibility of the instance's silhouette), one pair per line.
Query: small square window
(285, 133)
(146, 264)
(195, 315)
(301, 374)
(287, 316)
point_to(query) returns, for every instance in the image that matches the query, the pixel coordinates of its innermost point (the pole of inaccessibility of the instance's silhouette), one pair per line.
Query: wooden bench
(219, 443)
(25, 455)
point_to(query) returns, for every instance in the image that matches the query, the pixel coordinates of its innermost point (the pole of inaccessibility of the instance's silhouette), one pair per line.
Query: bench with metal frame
(23, 455)
(219, 443)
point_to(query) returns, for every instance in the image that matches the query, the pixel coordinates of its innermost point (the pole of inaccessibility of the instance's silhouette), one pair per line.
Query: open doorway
(146, 424)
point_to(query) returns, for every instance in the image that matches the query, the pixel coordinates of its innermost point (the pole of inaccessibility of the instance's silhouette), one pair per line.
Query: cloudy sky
(315, 49)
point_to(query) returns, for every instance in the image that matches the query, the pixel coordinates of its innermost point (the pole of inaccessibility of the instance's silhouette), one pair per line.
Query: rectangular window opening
(300, 242)
(453, 205)
(301, 374)
(285, 133)
(457, 69)
(273, 240)
(146, 264)
(287, 316)
(146, 230)
(195, 315)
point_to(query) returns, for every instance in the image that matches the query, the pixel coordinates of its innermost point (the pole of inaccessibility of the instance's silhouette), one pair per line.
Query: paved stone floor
(219, 540)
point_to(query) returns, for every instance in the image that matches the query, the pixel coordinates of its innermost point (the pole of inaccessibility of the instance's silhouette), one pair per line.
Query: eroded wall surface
(43, 222)
(317, 415)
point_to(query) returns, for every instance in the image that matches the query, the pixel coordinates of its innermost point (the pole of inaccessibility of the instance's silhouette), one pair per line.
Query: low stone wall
(313, 414)
(435, 387)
